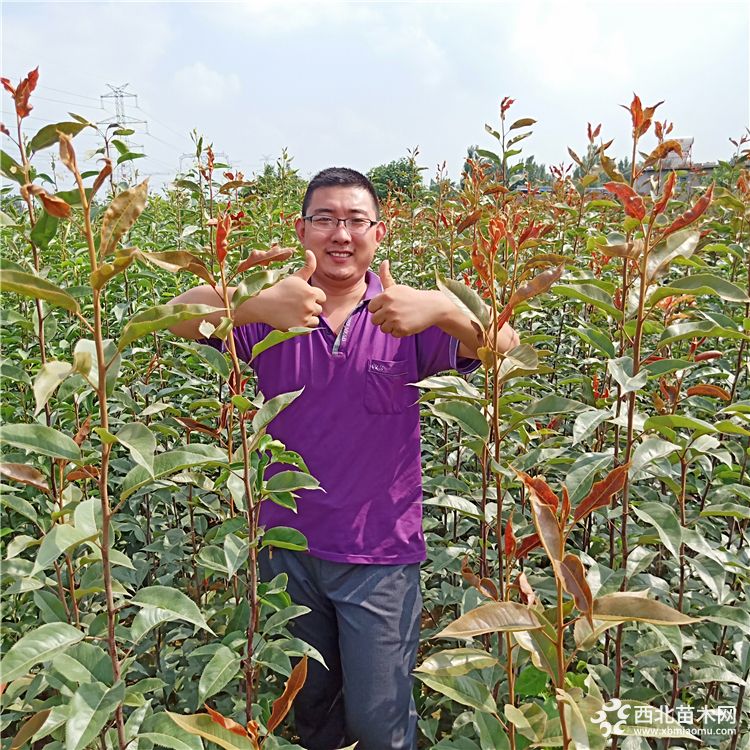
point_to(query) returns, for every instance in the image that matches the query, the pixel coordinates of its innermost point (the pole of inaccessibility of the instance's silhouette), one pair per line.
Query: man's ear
(299, 228)
(380, 231)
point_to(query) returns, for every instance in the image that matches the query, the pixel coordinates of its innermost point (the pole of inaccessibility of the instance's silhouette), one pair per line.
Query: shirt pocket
(387, 389)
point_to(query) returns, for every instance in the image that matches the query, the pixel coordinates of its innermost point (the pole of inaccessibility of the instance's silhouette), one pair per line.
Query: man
(356, 424)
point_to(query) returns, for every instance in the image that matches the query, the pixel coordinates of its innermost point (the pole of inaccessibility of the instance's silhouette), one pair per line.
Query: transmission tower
(119, 94)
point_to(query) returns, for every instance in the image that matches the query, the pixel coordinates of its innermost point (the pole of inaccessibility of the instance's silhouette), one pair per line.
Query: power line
(163, 124)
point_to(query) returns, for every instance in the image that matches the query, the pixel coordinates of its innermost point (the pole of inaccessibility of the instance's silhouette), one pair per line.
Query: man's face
(342, 257)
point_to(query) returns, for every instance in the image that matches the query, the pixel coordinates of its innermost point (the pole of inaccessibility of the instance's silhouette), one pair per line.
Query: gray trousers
(365, 621)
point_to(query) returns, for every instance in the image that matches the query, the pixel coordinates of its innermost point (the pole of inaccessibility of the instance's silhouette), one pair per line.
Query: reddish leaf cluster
(641, 117)
(631, 201)
(505, 105)
(697, 210)
(22, 92)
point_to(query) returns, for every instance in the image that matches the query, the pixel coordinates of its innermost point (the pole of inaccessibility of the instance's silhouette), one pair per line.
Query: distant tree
(536, 174)
(401, 175)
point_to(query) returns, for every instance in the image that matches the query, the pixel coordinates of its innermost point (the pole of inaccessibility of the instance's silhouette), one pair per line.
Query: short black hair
(340, 177)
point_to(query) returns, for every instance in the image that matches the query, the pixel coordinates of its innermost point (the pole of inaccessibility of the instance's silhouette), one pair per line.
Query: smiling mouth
(340, 254)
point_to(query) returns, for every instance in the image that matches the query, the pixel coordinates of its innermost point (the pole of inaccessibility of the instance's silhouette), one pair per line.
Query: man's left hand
(403, 311)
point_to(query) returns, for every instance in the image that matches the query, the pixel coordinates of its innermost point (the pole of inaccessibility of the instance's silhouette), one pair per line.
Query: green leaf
(276, 337)
(456, 661)
(520, 361)
(91, 708)
(651, 449)
(492, 736)
(129, 156)
(235, 553)
(218, 673)
(11, 169)
(162, 731)
(253, 284)
(597, 339)
(147, 619)
(283, 536)
(160, 317)
(554, 405)
(494, 617)
(173, 601)
(678, 244)
(524, 122)
(47, 380)
(466, 300)
(463, 689)
(665, 366)
(666, 422)
(662, 518)
(621, 370)
(49, 135)
(120, 215)
(591, 295)
(531, 681)
(35, 647)
(141, 443)
(44, 230)
(40, 439)
(624, 607)
(699, 329)
(272, 407)
(467, 416)
(454, 502)
(28, 285)
(169, 463)
(203, 725)
(697, 284)
(60, 538)
(288, 481)
(85, 350)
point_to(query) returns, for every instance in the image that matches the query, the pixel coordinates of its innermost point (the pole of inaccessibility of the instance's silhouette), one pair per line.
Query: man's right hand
(290, 303)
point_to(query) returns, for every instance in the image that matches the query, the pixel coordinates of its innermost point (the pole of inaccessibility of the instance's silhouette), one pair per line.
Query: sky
(362, 83)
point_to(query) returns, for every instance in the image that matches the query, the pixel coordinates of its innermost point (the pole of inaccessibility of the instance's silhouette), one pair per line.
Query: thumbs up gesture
(403, 311)
(292, 303)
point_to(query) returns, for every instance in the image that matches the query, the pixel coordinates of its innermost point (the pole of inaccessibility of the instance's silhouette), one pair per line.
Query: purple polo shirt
(356, 424)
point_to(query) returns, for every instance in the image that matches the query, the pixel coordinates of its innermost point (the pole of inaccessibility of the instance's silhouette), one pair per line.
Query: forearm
(249, 312)
(459, 326)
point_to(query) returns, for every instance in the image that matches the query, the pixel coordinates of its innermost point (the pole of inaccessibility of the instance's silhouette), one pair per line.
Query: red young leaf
(565, 509)
(703, 356)
(468, 220)
(510, 538)
(283, 703)
(540, 487)
(601, 492)
(229, 724)
(571, 574)
(693, 213)
(480, 584)
(714, 391)
(632, 202)
(23, 92)
(25, 475)
(223, 228)
(55, 206)
(528, 543)
(528, 596)
(264, 257)
(661, 204)
(547, 527)
(662, 150)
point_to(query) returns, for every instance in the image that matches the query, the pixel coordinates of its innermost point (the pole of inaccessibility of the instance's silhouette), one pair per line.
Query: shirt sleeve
(437, 351)
(245, 338)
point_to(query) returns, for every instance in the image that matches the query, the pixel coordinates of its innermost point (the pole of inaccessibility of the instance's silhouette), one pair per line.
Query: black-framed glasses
(354, 224)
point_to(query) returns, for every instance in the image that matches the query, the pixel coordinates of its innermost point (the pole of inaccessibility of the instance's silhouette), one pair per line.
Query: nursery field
(586, 495)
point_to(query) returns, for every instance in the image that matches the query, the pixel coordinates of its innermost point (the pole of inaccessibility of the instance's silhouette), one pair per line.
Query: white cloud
(203, 85)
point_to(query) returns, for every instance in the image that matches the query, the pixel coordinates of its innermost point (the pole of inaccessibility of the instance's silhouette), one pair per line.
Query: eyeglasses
(354, 225)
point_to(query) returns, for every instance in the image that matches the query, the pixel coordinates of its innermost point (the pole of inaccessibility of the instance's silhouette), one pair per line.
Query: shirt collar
(374, 286)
